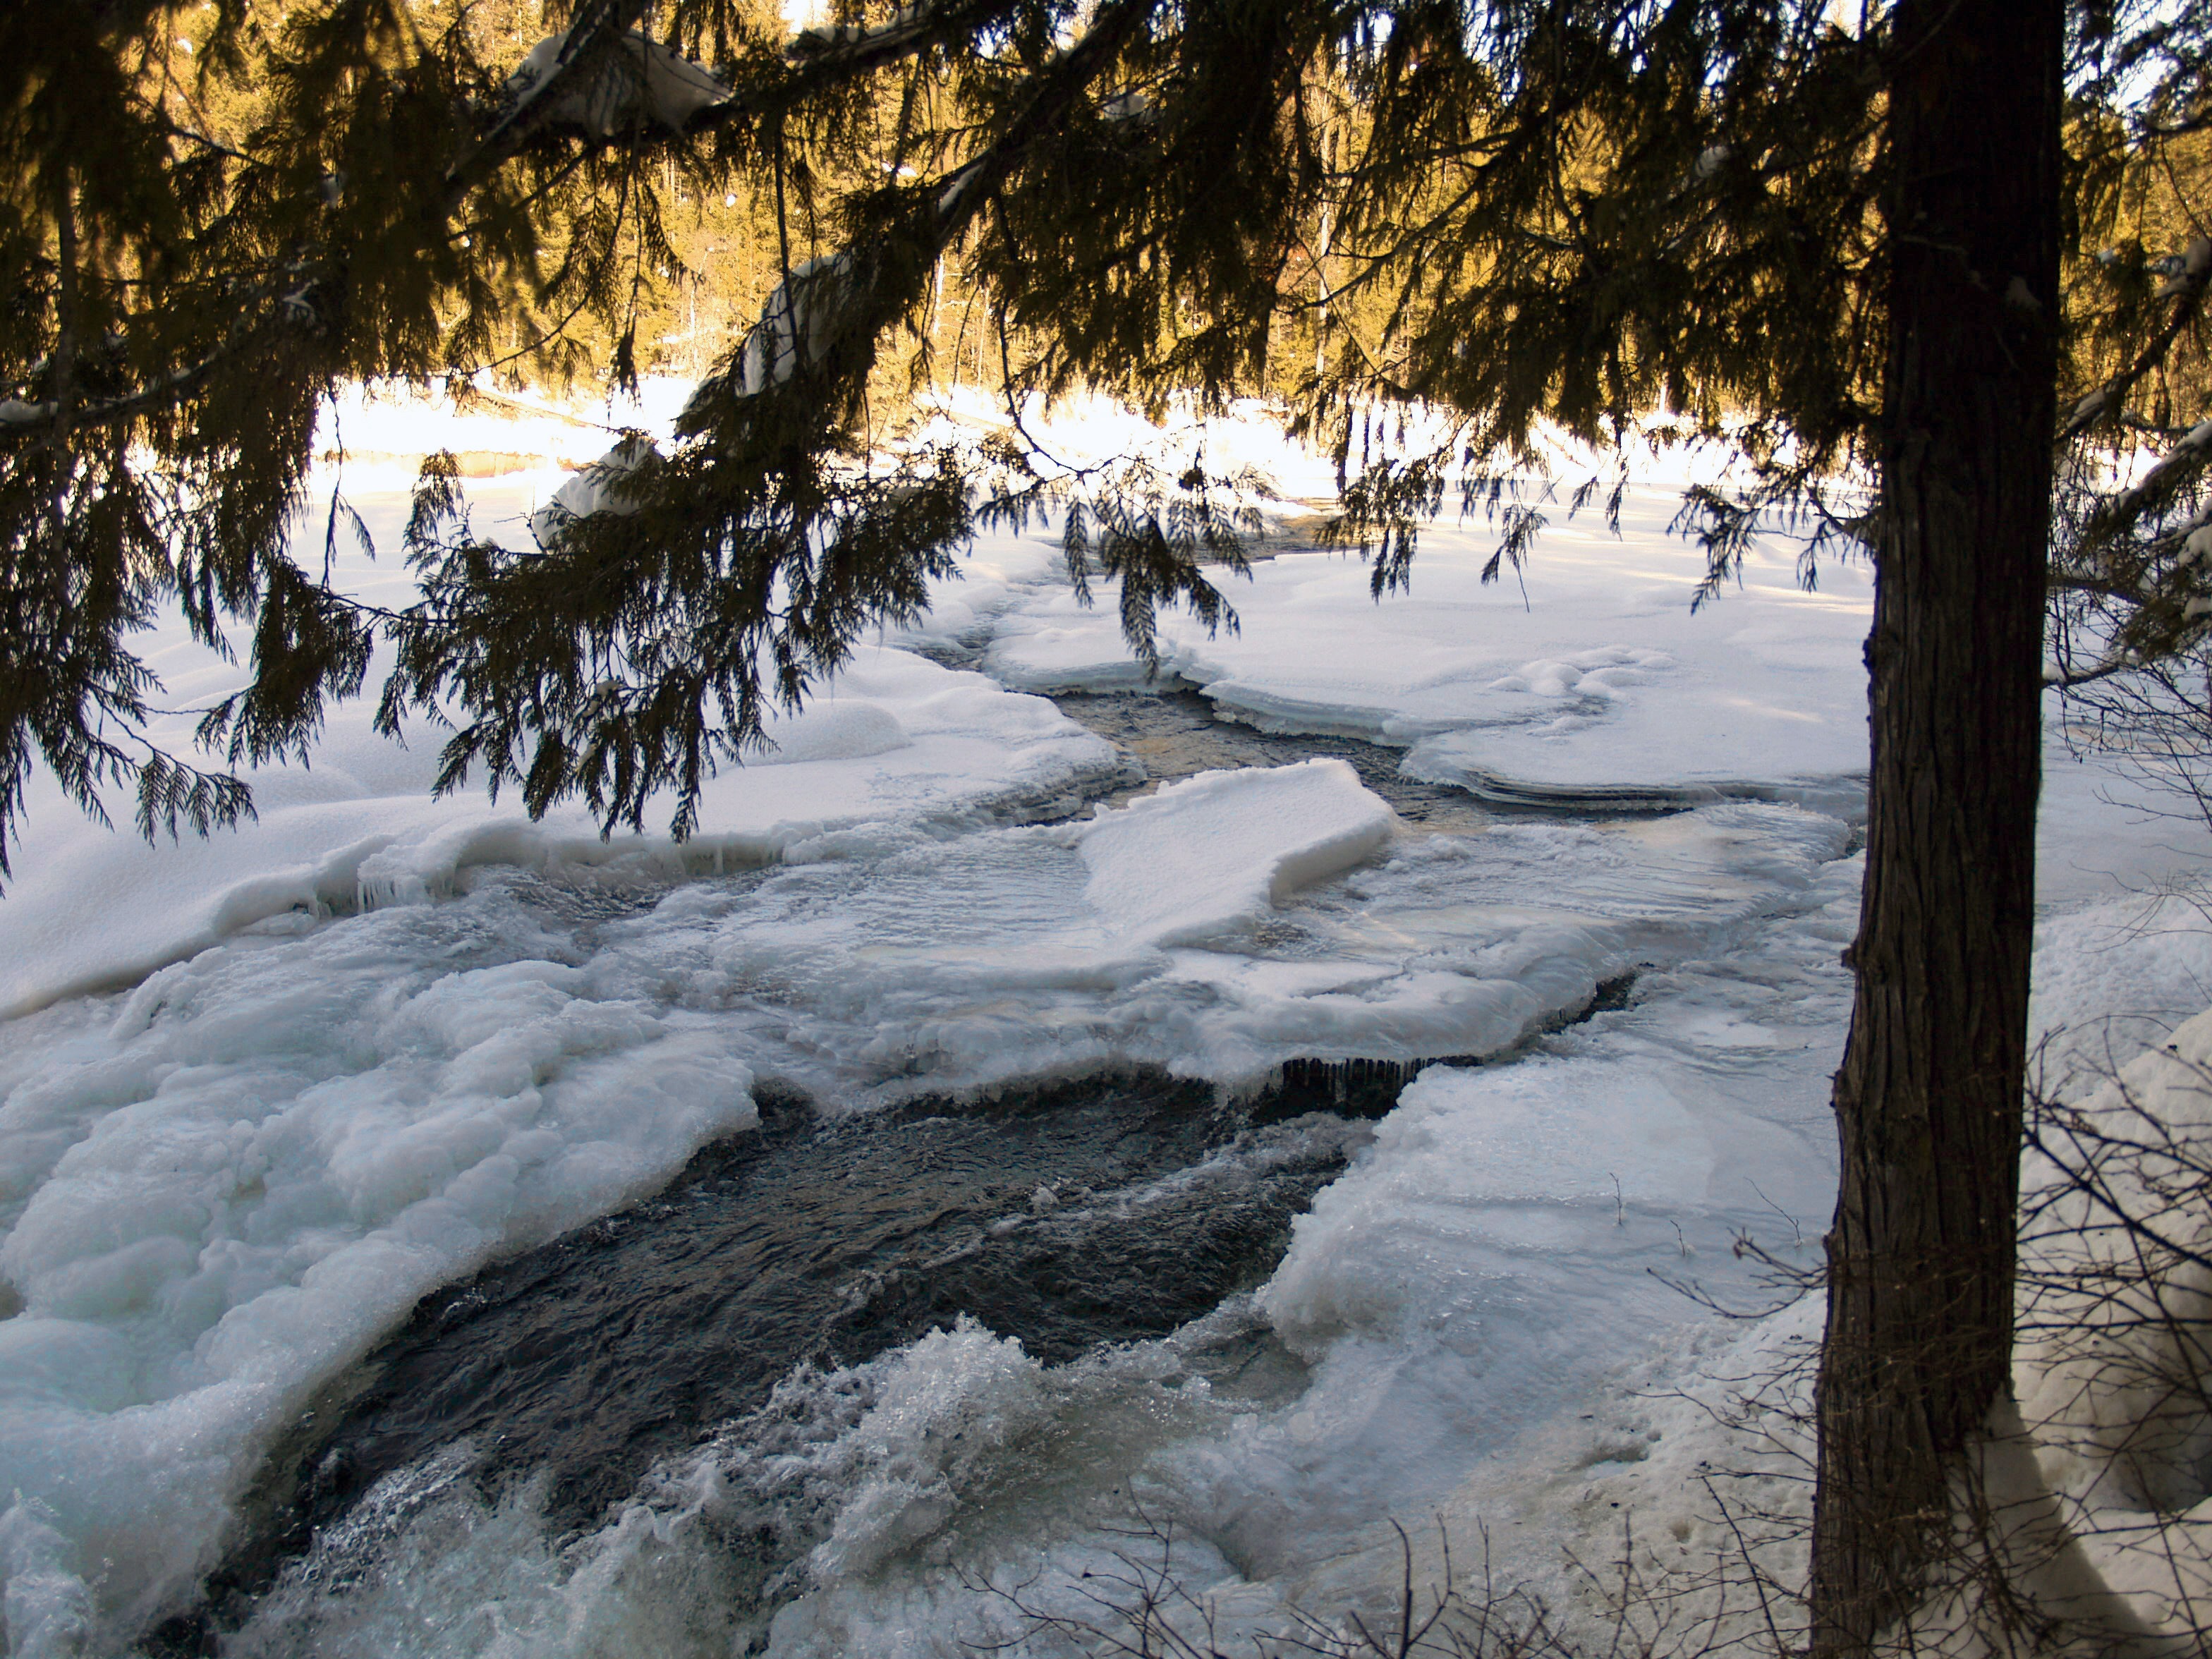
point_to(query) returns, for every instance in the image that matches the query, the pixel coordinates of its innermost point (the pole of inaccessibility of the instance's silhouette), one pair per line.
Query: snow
(593, 488)
(385, 429)
(219, 1188)
(1186, 866)
(2112, 1366)
(645, 81)
(897, 747)
(1590, 677)
(259, 1094)
(797, 324)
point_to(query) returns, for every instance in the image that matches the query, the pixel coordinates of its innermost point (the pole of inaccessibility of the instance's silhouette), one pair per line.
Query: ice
(1004, 953)
(896, 747)
(352, 1051)
(1589, 672)
(221, 1188)
(1460, 1286)
(1203, 856)
(2108, 825)
(223, 1185)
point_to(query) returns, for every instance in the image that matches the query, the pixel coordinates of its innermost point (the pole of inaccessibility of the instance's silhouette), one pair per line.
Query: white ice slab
(1214, 852)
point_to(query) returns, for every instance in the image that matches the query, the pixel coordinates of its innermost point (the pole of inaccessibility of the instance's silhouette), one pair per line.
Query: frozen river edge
(466, 1066)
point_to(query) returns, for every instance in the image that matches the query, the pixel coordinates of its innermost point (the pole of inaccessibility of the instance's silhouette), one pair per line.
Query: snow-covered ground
(263, 1093)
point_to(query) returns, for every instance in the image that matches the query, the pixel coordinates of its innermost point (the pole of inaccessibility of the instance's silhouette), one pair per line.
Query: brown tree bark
(1929, 1100)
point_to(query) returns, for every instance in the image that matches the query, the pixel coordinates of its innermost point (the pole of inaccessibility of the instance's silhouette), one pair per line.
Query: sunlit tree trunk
(1928, 1101)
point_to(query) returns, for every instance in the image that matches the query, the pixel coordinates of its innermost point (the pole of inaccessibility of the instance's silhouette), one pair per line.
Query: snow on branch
(2143, 558)
(2156, 488)
(641, 82)
(19, 417)
(900, 30)
(799, 324)
(817, 303)
(594, 488)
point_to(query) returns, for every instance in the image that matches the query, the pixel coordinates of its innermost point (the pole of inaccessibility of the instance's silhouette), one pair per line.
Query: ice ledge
(1203, 858)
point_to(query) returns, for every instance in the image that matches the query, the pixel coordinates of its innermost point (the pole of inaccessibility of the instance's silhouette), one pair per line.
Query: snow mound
(593, 488)
(2115, 1366)
(834, 729)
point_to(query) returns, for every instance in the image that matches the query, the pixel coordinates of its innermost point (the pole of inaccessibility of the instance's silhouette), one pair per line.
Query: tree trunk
(1929, 1100)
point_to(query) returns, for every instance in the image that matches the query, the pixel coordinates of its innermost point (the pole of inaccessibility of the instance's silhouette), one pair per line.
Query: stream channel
(1072, 1216)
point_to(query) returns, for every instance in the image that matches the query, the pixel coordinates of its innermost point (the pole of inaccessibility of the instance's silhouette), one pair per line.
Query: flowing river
(1070, 1217)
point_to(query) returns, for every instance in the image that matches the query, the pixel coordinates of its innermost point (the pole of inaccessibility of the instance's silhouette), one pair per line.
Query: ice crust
(218, 1189)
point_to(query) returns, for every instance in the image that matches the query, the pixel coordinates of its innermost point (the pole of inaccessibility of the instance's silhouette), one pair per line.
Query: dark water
(1108, 1210)
(1173, 734)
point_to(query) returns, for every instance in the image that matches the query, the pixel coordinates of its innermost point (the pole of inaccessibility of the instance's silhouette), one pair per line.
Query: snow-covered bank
(1646, 1468)
(897, 748)
(1588, 673)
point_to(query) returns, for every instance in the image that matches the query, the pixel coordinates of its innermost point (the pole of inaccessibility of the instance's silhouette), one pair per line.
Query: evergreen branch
(533, 123)
(823, 61)
(589, 39)
(18, 416)
(2186, 290)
